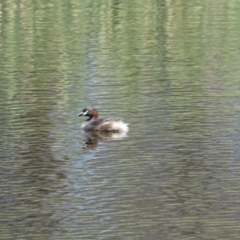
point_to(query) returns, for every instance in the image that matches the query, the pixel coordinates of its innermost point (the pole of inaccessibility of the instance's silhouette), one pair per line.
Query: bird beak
(82, 113)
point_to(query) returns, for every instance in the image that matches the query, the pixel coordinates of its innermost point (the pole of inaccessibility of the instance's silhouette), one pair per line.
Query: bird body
(93, 123)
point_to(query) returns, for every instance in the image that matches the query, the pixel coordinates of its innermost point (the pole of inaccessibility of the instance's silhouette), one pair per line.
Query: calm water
(170, 69)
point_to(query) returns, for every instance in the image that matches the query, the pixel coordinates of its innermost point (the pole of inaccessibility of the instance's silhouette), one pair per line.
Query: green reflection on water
(169, 68)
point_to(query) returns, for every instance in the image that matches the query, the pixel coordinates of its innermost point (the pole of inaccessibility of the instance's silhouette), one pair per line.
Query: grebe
(93, 123)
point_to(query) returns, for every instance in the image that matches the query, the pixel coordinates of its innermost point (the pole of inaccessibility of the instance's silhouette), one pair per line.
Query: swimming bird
(93, 123)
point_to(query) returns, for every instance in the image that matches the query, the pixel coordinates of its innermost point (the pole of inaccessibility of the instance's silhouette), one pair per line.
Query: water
(170, 70)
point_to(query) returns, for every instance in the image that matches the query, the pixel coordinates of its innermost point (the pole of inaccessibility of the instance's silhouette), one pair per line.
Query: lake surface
(170, 69)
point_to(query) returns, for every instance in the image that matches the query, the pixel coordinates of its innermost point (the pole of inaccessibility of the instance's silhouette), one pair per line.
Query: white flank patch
(119, 126)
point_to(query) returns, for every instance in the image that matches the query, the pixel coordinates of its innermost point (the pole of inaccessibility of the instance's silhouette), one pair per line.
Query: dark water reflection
(168, 69)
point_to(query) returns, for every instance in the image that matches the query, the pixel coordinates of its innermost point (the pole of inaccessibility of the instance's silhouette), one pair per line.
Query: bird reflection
(93, 137)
